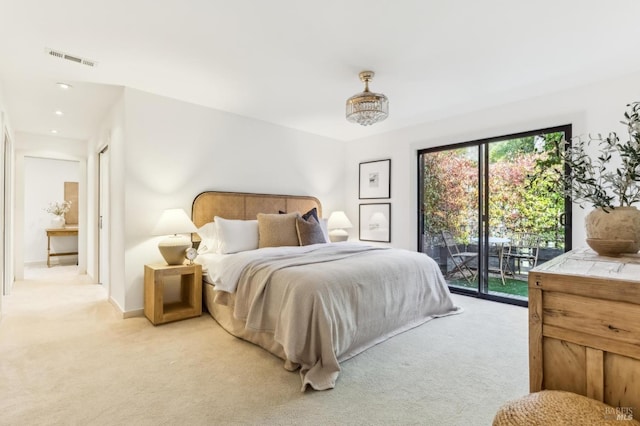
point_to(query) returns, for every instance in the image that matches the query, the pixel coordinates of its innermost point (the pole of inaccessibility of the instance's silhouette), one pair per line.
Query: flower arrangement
(58, 208)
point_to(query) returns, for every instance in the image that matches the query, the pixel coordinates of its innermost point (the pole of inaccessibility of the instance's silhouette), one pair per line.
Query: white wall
(172, 151)
(44, 183)
(110, 133)
(164, 152)
(590, 109)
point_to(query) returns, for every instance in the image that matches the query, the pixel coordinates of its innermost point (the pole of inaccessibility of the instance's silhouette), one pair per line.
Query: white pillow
(209, 241)
(325, 231)
(236, 235)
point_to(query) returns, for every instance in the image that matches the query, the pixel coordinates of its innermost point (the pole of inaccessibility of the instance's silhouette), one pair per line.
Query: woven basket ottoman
(550, 407)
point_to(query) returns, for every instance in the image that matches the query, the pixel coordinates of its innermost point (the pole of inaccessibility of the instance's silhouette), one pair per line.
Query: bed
(313, 305)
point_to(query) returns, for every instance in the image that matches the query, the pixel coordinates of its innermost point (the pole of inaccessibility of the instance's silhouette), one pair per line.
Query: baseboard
(35, 264)
(126, 314)
(54, 262)
(116, 306)
(133, 314)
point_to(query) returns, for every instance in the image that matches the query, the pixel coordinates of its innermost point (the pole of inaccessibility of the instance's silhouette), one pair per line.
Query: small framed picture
(375, 179)
(375, 222)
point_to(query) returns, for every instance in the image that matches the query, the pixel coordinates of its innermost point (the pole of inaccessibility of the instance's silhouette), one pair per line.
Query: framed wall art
(375, 222)
(375, 179)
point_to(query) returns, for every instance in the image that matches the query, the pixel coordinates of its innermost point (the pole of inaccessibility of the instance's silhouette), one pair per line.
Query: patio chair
(522, 246)
(460, 259)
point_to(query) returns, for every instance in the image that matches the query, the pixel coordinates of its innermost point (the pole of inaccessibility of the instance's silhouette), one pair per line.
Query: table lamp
(173, 222)
(338, 222)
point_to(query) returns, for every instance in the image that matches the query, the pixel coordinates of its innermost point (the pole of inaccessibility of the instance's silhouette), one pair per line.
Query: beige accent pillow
(309, 231)
(277, 230)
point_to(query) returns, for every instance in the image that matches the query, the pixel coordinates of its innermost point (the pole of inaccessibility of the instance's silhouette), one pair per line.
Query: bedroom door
(491, 210)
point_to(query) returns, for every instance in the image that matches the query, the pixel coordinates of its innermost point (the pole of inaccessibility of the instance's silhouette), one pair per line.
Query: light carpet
(66, 357)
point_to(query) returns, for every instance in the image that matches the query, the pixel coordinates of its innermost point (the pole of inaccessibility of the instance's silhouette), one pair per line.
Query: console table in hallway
(71, 231)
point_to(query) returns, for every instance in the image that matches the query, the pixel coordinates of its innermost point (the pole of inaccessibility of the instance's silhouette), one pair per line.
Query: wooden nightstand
(190, 303)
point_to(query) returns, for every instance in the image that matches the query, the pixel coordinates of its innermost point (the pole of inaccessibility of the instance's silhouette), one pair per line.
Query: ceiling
(295, 62)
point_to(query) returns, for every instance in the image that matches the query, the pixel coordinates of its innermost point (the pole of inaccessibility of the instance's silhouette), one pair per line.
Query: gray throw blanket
(328, 304)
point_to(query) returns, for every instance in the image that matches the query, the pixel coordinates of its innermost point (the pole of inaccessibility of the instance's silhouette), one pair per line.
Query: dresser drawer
(603, 318)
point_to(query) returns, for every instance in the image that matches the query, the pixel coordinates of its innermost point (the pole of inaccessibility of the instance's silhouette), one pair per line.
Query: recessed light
(58, 112)
(54, 131)
(64, 86)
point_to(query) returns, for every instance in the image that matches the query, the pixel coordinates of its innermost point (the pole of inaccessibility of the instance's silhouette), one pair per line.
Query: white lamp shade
(337, 223)
(339, 220)
(174, 221)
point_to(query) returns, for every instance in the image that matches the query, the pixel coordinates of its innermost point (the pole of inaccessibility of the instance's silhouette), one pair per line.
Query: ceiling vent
(72, 58)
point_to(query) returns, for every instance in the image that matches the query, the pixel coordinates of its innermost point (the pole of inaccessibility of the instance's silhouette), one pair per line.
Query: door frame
(102, 219)
(6, 260)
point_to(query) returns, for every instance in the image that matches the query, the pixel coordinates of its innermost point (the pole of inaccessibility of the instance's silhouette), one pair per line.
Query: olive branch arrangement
(612, 179)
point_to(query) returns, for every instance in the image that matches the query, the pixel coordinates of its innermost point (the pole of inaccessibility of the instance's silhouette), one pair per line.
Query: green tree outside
(523, 189)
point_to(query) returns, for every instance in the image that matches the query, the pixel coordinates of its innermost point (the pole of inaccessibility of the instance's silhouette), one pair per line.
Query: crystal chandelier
(366, 108)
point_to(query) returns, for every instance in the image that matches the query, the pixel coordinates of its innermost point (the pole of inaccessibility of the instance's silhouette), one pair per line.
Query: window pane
(450, 213)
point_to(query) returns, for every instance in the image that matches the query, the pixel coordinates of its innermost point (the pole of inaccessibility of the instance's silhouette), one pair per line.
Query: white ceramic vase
(621, 224)
(57, 222)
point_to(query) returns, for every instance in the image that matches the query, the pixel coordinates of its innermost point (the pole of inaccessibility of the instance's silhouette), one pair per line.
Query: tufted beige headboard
(241, 205)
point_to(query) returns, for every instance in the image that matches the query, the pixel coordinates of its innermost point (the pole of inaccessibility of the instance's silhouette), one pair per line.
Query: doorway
(46, 183)
(490, 211)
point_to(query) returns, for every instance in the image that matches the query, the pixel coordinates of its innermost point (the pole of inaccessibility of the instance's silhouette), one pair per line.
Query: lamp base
(172, 249)
(338, 235)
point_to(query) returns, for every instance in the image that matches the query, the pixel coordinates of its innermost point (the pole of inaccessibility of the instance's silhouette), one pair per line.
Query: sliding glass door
(491, 210)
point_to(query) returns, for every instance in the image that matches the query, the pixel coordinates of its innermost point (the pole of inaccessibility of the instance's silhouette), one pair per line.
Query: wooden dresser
(584, 327)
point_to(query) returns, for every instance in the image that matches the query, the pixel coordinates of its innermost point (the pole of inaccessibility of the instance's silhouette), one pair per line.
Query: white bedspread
(328, 302)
